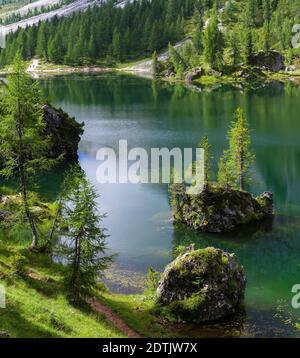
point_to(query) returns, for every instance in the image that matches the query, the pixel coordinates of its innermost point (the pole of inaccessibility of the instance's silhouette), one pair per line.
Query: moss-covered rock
(217, 209)
(201, 286)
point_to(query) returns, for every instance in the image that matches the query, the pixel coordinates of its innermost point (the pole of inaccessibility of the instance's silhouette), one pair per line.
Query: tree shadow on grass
(17, 326)
(45, 288)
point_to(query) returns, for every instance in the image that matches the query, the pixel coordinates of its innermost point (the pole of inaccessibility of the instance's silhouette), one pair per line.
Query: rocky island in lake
(224, 205)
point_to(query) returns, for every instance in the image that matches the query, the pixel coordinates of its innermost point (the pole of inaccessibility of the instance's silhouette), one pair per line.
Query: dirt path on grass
(113, 318)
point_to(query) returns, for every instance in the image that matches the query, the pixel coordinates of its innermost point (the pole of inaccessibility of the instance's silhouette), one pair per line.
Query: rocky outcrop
(4, 215)
(64, 131)
(201, 286)
(218, 209)
(194, 75)
(272, 61)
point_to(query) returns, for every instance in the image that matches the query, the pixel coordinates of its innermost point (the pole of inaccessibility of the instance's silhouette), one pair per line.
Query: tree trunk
(53, 228)
(35, 238)
(241, 176)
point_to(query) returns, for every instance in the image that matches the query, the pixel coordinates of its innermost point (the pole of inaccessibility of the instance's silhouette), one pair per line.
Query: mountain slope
(66, 10)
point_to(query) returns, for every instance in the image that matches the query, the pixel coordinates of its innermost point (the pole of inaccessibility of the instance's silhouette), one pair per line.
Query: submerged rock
(65, 132)
(218, 209)
(201, 286)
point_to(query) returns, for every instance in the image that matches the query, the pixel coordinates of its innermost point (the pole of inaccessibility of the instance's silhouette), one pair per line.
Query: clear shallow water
(116, 107)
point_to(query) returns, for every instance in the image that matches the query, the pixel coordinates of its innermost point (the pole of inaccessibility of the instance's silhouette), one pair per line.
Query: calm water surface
(149, 114)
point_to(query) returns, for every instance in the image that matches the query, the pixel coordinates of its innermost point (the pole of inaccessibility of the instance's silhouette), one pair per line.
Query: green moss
(185, 310)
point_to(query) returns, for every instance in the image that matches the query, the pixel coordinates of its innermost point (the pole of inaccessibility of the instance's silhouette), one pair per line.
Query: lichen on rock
(201, 286)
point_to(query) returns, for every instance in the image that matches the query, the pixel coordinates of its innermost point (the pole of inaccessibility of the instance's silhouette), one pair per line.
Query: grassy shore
(37, 302)
(142, 68)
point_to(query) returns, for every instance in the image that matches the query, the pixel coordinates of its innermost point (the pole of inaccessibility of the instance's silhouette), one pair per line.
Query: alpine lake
(152, 114)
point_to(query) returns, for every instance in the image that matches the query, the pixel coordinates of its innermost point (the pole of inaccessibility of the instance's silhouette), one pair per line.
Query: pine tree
(266, 28)
(197, 39)
(176, 60)
(172, 13)
(22, 144)
(248, 47)
(234, 48)
(213, 42)
(236, 162)
(155, 65)
(155, 35)
(116, 45)
(84, 242)
(42, 44)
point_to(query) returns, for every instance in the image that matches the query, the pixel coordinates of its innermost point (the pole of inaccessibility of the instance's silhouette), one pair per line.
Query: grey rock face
(65, 132)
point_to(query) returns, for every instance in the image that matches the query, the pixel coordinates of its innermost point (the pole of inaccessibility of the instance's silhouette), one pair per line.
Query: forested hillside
(222, 31)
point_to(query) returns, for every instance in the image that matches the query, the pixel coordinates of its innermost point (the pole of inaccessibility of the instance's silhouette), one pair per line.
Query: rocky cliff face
(201, 286)
(220, 210)
(65, 132)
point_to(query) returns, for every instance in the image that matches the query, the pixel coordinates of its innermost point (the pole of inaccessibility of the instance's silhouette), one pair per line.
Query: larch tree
(23, 145)
(83, 242)
(234, 166)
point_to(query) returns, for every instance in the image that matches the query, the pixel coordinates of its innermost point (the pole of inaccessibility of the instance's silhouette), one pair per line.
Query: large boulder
(201, 286)
(64, 131)
(272, 61)
(219, 210)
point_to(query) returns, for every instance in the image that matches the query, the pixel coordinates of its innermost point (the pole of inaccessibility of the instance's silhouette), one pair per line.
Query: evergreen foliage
(223, 33)
(23, 147)
(235, 164)
(84, 240)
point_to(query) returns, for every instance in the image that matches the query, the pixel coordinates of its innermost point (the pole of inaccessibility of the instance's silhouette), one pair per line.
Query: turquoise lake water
(149, 114)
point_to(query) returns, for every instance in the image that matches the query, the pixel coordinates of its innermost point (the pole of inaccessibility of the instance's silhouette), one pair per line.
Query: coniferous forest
(107, 34)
